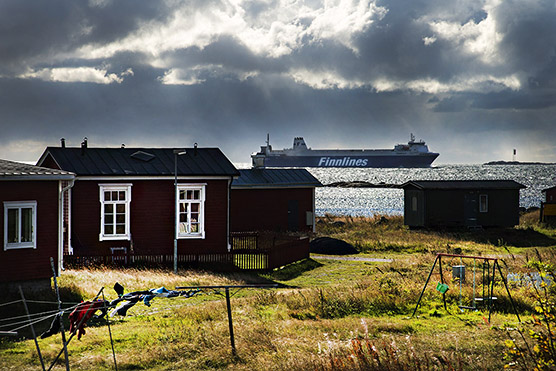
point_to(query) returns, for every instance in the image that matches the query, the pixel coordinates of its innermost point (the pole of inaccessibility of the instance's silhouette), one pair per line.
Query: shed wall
(267, 209)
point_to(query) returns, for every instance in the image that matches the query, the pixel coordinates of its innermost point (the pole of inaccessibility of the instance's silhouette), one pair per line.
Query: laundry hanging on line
(86, 310)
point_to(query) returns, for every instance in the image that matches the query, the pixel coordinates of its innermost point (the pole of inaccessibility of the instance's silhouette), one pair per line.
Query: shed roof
(140, 161)
(275, 178)
(549, 189)
(462, 184)
(10, 170)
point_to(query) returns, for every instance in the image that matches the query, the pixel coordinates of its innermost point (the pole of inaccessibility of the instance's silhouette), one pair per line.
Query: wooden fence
(249, 251)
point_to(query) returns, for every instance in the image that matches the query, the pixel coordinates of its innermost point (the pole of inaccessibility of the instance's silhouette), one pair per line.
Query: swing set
(488, 277)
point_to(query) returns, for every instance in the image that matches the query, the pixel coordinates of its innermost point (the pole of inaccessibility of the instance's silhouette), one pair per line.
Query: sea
(389, 201)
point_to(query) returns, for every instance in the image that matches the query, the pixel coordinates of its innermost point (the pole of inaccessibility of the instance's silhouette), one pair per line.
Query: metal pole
(491, 290)
(426, 283)
(60, 309)
(32, 327)
(176, 212)
(110, 333)
(230, 323)
(508, 291)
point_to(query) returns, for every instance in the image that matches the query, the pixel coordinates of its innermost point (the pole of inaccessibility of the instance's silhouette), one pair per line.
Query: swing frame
(490, 289)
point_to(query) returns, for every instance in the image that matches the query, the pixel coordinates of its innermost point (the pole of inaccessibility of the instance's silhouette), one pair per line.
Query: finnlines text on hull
(345, 161)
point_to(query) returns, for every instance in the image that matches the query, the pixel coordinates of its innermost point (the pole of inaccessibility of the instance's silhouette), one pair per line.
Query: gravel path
(351, 258)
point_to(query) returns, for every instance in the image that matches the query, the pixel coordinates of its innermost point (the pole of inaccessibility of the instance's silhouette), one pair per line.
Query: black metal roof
(15, 170)
(90, 161)
(463, 184)
(275, 178)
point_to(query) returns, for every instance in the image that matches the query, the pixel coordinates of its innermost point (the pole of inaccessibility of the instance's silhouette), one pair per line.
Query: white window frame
(9, 205)
(115, 188)
(485, 204)
(181, 233)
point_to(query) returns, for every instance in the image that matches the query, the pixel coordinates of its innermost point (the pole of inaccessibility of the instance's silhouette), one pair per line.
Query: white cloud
(77, 74)
(478, 83)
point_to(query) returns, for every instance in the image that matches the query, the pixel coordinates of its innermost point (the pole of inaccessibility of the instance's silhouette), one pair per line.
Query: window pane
(120, 229)
(120, 218)
(196, 195)
(194, 208)
(189, 195)
(120, 208)
(107, 196)
(183, 217)
(121, 196)
(13, 225)
(108, 208)
(183, 207)
(182, 195)
(108, 229)
(114, 195)
(194, 228)
(26, 224)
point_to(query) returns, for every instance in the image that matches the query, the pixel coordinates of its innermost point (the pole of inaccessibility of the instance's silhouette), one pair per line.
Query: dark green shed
(461, 203)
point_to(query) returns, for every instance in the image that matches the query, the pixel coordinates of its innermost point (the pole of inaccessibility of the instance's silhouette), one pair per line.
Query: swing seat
(486, 299)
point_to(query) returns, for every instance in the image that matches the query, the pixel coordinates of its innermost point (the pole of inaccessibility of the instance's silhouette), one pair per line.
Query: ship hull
(361, 161)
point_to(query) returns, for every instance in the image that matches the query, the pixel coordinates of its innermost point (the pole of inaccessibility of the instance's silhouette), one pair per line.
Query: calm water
(371, 201)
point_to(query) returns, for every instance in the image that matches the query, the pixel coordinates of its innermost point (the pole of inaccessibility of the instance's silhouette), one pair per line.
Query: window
(114, 211)
(191, 211)
(414, 203)
(483, 203)
(20, 225)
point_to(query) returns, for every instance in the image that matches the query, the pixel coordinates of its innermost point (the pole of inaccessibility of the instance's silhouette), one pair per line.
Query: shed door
(470, 209)
(293, 215)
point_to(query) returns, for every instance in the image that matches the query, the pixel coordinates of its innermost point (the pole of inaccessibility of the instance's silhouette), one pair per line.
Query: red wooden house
(273, 200)
(126, 200)
(32, 222)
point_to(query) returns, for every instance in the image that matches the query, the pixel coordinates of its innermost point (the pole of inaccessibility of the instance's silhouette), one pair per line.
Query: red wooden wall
(152, 218)
(267, 209)
(26, 264)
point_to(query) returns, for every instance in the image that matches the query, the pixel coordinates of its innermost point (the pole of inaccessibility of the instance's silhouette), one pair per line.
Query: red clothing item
(80, 315)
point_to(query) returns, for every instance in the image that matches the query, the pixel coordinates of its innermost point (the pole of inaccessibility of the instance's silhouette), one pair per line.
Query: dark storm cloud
(35, 31)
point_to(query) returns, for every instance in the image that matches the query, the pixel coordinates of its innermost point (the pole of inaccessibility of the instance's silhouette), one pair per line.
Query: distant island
(517, 163)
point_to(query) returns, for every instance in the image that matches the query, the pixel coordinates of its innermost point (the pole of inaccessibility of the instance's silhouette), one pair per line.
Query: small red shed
(141, 200)
(273, 200)
(32, 222)
(548, 207)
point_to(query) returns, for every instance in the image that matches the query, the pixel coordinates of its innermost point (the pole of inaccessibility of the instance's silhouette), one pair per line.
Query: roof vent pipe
(63, 142)
(195, 149)
(83, 146)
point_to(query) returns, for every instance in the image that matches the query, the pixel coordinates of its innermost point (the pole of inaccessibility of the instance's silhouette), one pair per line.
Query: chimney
(83, 146)
(63, 142)
(123, 145)
(195, 149)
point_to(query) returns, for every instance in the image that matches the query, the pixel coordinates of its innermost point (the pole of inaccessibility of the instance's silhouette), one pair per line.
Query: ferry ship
(413, 154)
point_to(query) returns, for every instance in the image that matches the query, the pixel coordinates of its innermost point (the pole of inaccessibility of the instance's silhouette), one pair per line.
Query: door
(470, 209)
(293, 215)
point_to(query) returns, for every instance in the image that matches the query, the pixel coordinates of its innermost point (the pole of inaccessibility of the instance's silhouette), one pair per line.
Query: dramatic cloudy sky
(475, 79)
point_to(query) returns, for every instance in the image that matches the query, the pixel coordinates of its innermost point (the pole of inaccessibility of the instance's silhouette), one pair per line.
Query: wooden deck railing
(249, 251)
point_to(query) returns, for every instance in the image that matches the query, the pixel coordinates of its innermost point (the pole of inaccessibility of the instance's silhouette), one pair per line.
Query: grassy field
(327, 314)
